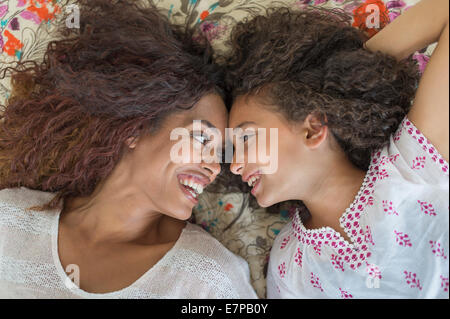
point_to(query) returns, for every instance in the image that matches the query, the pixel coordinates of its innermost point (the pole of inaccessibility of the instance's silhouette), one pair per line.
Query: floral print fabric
(398, 226)
(26, 25)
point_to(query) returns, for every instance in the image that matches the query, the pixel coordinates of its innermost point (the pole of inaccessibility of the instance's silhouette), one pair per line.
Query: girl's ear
(315, 131)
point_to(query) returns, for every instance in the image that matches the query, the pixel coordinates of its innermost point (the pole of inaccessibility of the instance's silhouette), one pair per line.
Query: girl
(370, 169)
(88, 183)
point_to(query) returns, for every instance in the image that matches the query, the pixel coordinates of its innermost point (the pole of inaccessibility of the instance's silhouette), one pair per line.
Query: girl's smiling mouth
(253, 180)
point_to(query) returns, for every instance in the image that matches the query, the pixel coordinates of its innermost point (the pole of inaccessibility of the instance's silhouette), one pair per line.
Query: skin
(136, 215)
(311, 167)
(419, 26)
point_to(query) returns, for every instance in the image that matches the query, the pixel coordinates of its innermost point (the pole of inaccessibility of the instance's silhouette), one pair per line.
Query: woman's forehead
(209, 111)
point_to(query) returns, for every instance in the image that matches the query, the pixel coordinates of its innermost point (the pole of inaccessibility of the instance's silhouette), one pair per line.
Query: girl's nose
(237, 168)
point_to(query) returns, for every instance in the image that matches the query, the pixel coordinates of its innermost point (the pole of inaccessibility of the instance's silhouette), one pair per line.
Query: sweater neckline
(356, 251)
(70, 285)
(329, 230)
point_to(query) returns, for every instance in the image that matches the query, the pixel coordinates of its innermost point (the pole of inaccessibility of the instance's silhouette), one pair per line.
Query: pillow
(245, 231)
(215, 19)
(24, 34)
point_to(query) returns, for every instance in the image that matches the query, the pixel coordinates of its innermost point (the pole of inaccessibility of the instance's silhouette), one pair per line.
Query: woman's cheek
(182, 152)
(197, 152)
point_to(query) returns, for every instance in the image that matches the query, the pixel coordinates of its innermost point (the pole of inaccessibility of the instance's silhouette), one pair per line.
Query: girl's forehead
(242, 106)
(247, 109)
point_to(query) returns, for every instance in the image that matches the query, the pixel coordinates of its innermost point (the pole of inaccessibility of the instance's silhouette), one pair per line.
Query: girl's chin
(262, 191)
(263, 201)
(263, 205)
(266, 198)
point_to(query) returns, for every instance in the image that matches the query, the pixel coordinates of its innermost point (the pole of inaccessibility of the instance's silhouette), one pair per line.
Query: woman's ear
(132, 142)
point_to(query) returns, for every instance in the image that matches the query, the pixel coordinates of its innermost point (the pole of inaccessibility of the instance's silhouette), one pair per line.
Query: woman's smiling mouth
(192, 185)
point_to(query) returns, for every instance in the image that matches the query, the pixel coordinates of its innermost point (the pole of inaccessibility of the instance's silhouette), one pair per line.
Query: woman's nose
(212, 168)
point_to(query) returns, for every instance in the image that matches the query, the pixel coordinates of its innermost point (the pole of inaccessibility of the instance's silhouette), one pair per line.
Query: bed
(25, 28)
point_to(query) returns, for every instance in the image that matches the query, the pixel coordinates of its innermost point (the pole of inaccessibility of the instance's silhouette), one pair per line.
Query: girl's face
(172, 183)
(296, 165)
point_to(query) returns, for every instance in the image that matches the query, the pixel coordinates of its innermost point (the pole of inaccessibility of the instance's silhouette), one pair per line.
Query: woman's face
(295, 169)
(169, 178)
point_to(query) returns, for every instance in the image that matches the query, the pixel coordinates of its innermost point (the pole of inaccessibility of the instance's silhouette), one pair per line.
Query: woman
(96, 132)
(370, 169)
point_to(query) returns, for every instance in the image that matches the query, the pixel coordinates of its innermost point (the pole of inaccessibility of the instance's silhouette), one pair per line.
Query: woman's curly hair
(119, 76)
(314, 62)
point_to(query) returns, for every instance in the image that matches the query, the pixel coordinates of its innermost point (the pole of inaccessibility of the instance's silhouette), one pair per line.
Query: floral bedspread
(25, 29)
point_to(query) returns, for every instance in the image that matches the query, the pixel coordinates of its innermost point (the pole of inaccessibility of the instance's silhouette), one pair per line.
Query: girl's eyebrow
(245, 123)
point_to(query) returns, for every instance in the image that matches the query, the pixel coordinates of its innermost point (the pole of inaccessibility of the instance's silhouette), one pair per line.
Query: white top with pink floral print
(399, 228)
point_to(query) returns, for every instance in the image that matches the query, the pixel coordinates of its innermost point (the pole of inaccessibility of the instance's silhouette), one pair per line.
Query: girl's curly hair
(118, 76)
(314, 62)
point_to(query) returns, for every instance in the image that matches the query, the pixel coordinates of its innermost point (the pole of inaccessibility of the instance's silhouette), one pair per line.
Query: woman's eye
(200, 137)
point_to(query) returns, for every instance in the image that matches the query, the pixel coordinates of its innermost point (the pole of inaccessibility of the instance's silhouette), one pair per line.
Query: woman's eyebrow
(206, 122)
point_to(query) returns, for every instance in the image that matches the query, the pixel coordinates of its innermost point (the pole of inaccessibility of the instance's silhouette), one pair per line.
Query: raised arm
(421, 25)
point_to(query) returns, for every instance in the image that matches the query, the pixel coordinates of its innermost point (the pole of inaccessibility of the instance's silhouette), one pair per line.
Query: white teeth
(198, 188)
(252, 180)
(193, 193)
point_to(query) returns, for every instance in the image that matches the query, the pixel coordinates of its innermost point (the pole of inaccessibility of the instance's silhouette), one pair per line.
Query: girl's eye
(245, 137)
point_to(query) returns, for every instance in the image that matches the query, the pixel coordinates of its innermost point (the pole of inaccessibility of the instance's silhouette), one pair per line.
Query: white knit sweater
(197, 266)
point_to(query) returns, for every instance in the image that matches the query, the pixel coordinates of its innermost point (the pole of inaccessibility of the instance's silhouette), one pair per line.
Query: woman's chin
(182, 214)
(185, 217)
(182, 210)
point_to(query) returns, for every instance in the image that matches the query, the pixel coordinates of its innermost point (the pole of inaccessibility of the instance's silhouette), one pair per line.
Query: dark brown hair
(313, 62)
(120, 75)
